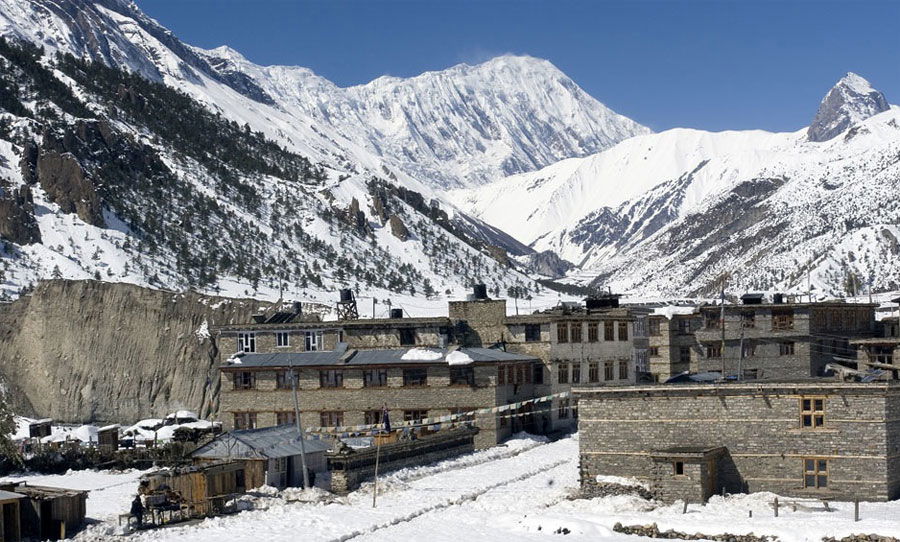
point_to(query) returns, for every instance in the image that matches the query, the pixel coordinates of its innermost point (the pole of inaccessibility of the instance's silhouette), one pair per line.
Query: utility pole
(741, 355)
(722, 323)
(299, 427)
(373, 307)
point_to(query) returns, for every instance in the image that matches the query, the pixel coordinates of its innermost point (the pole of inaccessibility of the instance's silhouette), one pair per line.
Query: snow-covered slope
(668, 212)
(461, 126)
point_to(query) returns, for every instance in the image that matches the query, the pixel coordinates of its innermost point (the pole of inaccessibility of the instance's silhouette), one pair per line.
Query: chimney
(479, 292)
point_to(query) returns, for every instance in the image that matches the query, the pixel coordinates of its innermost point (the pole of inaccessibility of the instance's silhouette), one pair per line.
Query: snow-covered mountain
(457, 127)
(340, 184)
(669, 212)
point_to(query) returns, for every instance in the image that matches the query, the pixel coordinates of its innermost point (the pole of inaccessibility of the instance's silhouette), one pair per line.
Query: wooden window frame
(563, 374)
(623, 369)
(373, 416)
(313, 341)
(286, 336)
(678, 468)
(575, 332)
(810, 411)
(407, 336)
(247, 342)
(410, 382)
(593, 332)
(714, 351)
(575, 376)
(414, 415)
(247, 380)
(248, 420)
(609, 371)
(609, 331)
(562, 333)
(285, 417)
(530, 335)
(331, 418)
(462, 376)
(654, 329)
(816, 472)
(786, 348)
(593, 372)
(375, 382)
(623, 331)
(331, 378)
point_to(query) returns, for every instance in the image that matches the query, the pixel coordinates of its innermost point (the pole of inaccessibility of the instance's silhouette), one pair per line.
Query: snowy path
(517, 492)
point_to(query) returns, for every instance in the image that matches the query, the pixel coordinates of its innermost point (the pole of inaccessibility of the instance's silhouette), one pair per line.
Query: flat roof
(806, 385)
(355, 358)
(817, 304)
(9, 495)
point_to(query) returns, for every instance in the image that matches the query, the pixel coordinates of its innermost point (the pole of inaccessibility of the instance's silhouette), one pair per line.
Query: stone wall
(437, 398)
(352, 467)
(759, 424)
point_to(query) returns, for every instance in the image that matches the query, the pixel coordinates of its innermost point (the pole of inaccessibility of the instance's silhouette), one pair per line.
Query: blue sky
(709, 64)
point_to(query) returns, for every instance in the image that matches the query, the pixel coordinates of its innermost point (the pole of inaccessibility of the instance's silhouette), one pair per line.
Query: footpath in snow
(521, 491)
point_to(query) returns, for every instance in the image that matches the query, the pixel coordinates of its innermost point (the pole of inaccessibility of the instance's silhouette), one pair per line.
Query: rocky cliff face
(82, 351)
(850, 101)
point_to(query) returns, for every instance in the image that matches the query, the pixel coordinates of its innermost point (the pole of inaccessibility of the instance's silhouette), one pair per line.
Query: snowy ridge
(665, 214)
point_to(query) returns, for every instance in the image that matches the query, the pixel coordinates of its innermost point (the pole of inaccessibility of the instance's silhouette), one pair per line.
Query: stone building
(817, 438)
(882, 351)
(598, 343)
(673, 346)
(347, 387)
(780, 340)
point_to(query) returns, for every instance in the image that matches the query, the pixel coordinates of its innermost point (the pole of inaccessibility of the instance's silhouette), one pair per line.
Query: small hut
(49, 513)
(10, 528)
(271, 454)
(196, 491)
(40, 428)
(108, 438)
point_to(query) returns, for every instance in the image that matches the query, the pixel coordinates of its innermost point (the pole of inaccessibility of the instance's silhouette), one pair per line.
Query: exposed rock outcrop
(547, 263)
(67, 185)
(398, 228)
(850, 101)
(17, 222)
(82, 351)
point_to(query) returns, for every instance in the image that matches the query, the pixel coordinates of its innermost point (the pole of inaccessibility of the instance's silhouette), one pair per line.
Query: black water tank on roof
(778, 299)
(346, 295)
(396, 313)
(480, 291)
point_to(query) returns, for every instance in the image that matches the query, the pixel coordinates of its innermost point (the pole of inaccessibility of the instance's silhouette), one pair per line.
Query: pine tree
(9, 452)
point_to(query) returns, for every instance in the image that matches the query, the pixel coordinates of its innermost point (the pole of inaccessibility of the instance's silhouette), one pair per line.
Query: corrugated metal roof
(369, 357)
(9, 495)
(266, 442)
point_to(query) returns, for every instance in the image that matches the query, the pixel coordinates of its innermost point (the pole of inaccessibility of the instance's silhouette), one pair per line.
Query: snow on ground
(110, 494)
(521, 491)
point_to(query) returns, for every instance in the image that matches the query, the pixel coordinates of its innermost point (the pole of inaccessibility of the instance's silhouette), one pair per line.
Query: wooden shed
(271, 455)
(49, 513)
(108, 438)
(10, 524)
(201, 490)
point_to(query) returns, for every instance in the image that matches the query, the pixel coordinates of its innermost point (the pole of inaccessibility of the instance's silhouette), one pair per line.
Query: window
(815, 473)
(373, 417)
(623, 370)
(244, 420)
(593, 332)
(749, 350)
(623, 331)
(678, 468)
(331, 379)
(641, 361)
(532, 333)
(782, 319)
(684, 326)
(608, 370)
(593, 372)
(882, 354)
(462, 413)
(501, 376)
(812, 412)
(246, 342)
(286, 417)
(654, 328)
(375, 378)
(684, 354)
(576, 373)
(786, 349)
(244, 380)
(462, 376)
(331, 418)
(563, 373)
(414, 415)
(282, 380)
(654, 351)
(609, 331)
(313, 340)
(415, 377)
(714, 351)
(282, 339)
(575, 330)
(748, 319)
(563, 410)
(407, 336)
(562, 333)
(538, 370)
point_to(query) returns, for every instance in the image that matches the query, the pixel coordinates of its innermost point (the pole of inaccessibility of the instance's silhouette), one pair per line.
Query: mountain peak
(850, 100)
